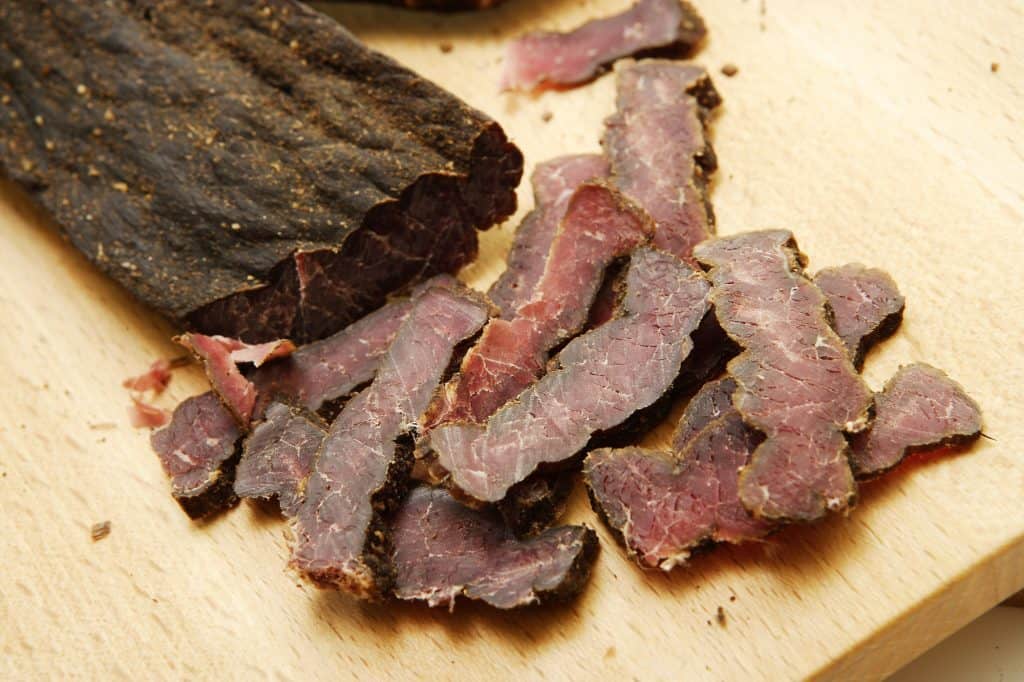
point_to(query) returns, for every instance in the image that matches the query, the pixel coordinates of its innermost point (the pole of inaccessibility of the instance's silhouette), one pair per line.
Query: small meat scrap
(99, 531)
(554, 183)
(658, 149)
(278, 456)
(245, 168)
(142, 415)
(155, 379)
(599, 227)
(866, 304)
(795, 381)
(362, 470)
(196, 450)
(443, 549)
(920, 408)
(596, 383)
(544, 58)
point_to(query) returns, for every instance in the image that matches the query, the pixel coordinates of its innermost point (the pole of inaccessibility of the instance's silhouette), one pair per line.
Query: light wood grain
(875, 130)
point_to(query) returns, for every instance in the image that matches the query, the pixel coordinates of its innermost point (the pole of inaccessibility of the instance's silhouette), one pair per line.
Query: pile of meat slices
(428, 450)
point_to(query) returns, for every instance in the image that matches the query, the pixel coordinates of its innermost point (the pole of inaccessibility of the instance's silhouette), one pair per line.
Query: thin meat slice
(795, 381)
(155, 379)
(554, 183)
(278, 456)
(197, 450)
(599, 227)
(658, 148)
(142, 415)
(866, 303)
(920, 408)
(597, 382)
(544, 58)
(362, 469)
(443, 549)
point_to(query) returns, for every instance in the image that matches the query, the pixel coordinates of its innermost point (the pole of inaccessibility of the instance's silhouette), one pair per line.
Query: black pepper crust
(245, 168)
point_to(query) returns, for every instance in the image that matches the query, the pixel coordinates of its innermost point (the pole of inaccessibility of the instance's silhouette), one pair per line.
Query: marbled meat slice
(197, 450)
(278, 455)
(599, 227)
(658, 149)
(866, 303)
(596, 383)
(443, 549)
(795, 381)
(362, 469)
(545, 58)
(920, 408)
(245, 168)
(554, 183)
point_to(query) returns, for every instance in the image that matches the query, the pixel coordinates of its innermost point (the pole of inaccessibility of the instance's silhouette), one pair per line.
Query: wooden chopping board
(877, 131)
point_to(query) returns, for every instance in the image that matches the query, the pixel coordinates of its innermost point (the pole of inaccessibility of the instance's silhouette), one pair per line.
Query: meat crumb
(720, 616)
(610, 653)
(730, 70)
(100, 530)
(445, 47)
(994, 67)
(546, 116)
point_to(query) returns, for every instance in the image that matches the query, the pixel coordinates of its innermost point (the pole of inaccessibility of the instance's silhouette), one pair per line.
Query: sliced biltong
(278, 456)
(596, 382)
(795, 382)
(197, 451)
(920, 408)
(649, 27)
(443, 549)
(553, 182)
(658, 149)
(362, 468)
(866, 305)
(247, 169)
(599, 226)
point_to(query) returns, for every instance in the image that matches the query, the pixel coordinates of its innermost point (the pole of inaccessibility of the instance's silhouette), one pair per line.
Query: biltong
(866, 305)
(247, 169)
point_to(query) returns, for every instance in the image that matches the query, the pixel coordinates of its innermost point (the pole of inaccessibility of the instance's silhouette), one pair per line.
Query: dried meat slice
(362, 469)
(596, 383)
(657, 145)
(197, 450)
(443, 549)
(247, 169)
(554, 183)
(278, 456)
(795, 381)
(920, 408)
(544, 58)
(599, 227)
(866, 304)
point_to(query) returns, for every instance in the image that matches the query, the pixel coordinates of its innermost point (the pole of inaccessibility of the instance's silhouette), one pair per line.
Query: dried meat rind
(443, 549)
(247, 169)
(554, 182)
(920, 408)
(197, 450)
(545, 58)
(599, 227)
(657, 145)
(866, 304)
(362, 469)
(596, 382)
(535, 504)
(278, 456)
(795, 381)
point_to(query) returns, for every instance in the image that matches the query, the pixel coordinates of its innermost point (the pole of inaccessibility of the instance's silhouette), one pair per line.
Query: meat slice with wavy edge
(245, 168)
(866, 305)
(278, 455)
(795, 381)
(600, 226)
(554, 183)
(443, 549)
(545, 58)
(657, 145)
(362, 469)
(196, 450)
(597, 382)
(920, 408)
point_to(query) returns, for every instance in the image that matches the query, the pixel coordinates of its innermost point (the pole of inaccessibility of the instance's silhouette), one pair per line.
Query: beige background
(875, 130)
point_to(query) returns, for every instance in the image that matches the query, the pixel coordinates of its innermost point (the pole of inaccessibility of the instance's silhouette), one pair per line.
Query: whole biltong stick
(247, 169)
